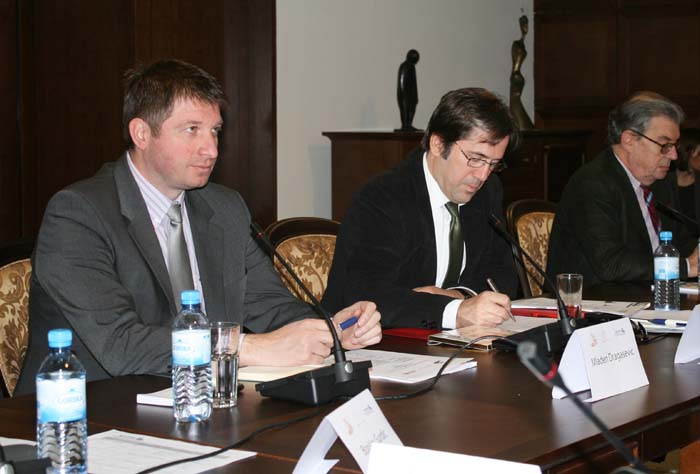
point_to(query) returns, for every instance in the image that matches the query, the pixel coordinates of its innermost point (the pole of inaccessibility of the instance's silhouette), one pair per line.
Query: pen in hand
(492, 285)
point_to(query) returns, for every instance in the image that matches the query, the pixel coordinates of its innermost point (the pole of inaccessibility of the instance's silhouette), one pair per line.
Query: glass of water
(570, 289)
(224, 363)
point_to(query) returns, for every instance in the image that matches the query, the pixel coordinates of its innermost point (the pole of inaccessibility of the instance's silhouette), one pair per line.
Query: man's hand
(299, 343)
(486, 309)
(693, 264)
(366, 331)
(440, 291)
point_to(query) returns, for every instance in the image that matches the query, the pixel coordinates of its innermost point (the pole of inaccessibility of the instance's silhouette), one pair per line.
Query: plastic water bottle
(667, 283)
(192, 389)
(61, 426)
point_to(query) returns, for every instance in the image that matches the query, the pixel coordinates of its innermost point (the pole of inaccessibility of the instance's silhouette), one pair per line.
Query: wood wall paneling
(10, 173)
(590, 56)
(72, 56)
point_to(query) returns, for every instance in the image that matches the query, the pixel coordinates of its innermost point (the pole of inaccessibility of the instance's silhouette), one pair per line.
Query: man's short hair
(150, 92)
(636, 112)
(462, 111)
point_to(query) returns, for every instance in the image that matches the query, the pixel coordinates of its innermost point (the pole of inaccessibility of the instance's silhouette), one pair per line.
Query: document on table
(623, 308)
(138, 452)
(394, 366)
(460, 336)
(645, 317)
(407, 368)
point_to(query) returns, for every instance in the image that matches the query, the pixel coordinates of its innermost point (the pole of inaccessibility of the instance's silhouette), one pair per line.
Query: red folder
(412, 333)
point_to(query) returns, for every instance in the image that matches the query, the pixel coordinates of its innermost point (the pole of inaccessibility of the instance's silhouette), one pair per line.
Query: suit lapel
(140, 227)
(424, 214)
(474, 228)
(208, 243)
(636, 224)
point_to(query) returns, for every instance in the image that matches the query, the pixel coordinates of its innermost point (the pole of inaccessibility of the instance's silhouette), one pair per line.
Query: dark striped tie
(454, 266)
(649, 200)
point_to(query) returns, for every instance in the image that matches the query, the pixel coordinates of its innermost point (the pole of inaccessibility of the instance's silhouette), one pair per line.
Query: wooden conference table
(496, 410)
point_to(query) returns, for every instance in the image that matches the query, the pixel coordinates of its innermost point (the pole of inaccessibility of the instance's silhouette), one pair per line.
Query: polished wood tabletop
(496, 410)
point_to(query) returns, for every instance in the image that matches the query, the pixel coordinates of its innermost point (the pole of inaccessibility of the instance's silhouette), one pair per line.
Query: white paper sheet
(391, 459)
(395, 366)
(118, 452)
(689, 345)
(407, 368)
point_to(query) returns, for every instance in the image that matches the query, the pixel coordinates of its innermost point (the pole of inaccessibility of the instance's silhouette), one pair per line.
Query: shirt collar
(437, 197)
(157, 203)
(635, 182)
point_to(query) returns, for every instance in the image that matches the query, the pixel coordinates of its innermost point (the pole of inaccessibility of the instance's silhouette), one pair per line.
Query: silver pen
(492, 285)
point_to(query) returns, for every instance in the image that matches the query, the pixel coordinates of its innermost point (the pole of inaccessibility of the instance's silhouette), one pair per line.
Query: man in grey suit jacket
(100, 266)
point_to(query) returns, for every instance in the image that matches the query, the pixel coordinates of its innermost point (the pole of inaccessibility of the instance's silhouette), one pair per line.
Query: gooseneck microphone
(546, 371)
(678, 215)
(318, 386)
(553, 337)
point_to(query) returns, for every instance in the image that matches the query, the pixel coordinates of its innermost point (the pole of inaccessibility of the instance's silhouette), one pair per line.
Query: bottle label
(191, 347)
(60, 400)
(666, 268)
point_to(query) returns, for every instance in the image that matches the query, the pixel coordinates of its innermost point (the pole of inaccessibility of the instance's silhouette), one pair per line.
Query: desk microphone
(546, 371)
(553, 336)
(318, 386)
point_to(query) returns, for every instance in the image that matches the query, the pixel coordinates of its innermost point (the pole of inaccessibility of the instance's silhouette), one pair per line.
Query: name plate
(603, 358)
(389, 459)
(359, 423)
(689, 345)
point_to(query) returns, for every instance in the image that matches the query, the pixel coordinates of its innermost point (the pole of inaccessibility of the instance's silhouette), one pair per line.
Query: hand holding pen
(492, 285)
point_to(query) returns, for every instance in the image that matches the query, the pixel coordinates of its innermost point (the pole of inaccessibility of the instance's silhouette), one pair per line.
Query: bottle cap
(60, 338)
(666, 235)
(190, 297)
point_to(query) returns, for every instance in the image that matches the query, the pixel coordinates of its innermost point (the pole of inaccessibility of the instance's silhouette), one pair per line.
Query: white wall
(337, 63)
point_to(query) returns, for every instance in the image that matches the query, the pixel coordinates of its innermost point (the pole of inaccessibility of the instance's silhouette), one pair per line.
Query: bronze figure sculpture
(517, 81)
(407, 91)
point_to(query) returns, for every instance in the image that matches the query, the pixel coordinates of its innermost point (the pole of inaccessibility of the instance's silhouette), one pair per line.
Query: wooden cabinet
(539, 168)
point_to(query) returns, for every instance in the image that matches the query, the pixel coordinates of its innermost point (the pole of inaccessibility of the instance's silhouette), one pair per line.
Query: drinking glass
(224, 363)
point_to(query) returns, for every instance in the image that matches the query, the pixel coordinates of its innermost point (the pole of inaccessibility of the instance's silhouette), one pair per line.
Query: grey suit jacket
(99, 270)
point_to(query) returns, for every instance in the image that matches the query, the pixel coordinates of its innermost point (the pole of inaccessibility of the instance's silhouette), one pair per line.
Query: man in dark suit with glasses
(415, 233)
(608, 221)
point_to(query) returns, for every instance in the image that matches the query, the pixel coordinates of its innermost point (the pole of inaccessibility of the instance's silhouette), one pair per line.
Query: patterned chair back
(308, 245)
(14, 320)
(530, 222)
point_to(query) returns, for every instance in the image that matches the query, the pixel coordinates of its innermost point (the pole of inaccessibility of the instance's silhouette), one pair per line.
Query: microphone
(666, 209)
(314, 387)
(546, 371)
(21, 459)
(553, 335)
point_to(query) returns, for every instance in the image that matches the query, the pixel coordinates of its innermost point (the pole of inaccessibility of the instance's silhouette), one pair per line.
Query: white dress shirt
(639, 192)
(158, 204)
(441, 223)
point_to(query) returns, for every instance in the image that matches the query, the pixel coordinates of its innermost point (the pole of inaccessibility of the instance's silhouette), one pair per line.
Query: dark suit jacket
(386, 247)
(599, 229)
(99, 270)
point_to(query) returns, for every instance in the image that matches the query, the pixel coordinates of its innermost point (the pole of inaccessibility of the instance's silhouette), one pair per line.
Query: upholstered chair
(308, 244)
(14, 320)
(530, 222)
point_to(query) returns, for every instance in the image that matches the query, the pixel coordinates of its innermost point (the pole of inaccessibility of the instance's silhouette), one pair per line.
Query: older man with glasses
(607, 224)
(415, 237)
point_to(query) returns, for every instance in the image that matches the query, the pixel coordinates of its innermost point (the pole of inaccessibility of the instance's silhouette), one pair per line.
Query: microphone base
(549, 338)
(318, 386)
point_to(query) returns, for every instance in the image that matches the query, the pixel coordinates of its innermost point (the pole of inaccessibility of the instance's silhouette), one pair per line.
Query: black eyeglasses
(665, 147)
(496, 165)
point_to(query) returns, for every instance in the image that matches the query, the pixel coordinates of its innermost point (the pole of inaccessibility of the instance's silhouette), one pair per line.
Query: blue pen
(669, 322)
(348, 322)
